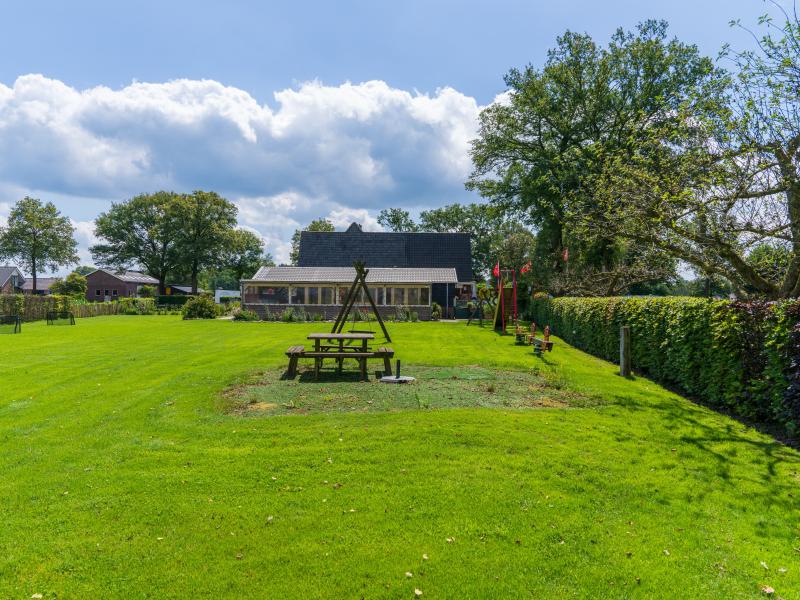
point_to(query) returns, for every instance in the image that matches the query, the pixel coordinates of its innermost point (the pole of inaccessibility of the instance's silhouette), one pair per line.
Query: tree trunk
(33, 275)
(162, 285)
(195, 268)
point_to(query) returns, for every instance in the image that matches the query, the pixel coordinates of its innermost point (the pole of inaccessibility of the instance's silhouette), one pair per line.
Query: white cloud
(343, 216)
(343, 151)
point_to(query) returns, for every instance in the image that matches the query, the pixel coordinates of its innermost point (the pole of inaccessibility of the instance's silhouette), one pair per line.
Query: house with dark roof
(42, 285)
(405, 269)
(11, 280)
(103, 285)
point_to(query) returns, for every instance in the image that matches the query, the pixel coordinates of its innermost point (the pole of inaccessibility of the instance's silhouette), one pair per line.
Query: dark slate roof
(129, 276)
(385, 249)
(42, 283)
(7, 271)
(375, 275)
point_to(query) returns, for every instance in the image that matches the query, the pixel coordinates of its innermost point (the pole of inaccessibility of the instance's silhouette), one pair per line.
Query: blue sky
(293, 110)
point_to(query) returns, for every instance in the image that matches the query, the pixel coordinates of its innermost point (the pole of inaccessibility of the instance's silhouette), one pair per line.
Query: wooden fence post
(625, 351)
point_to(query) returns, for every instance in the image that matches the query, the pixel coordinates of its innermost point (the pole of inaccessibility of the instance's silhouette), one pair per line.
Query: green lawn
(140, 457)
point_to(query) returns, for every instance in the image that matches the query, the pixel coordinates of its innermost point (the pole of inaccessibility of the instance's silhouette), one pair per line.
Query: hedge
(738, 355)
(35, 308)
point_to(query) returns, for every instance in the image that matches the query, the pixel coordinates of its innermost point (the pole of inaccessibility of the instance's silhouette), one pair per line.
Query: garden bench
(294, 353)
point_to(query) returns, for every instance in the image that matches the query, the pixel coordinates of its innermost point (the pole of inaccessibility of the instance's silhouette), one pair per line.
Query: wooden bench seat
(294, 353)
(339, 354)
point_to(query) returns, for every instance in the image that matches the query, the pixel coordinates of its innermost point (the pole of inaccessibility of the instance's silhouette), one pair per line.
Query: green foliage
(200, 307)
(73, 285)
(38, 237)
(137, 306)
(436, 311)
(244, 314)
(397, 219)
(145, 230)
(244, 255)
(165, 300)
(208, 222)
(148, 291)
(315, 225)
(728, 354)
(294, 315)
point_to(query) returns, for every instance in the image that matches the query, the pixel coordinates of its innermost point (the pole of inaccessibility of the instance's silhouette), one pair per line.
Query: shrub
(293, 315)
(414, 316)
(436, 311)
(402, 313)
(137, 306)
(244, 314)
(148, 291)
(172, 300)
(200, 307)
(732, 354)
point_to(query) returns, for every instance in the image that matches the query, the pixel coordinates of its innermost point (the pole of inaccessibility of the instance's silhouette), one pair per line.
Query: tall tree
(38, 237)
(315, 225)
(144, 231)
(543, 151)
(245, 254)
(721, 182)
(397, 220)
(208, 220)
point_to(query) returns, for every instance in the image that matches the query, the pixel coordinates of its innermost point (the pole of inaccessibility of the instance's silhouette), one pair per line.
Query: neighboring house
(105, 285)
(11, 280)
(42, 286)
(405, 269)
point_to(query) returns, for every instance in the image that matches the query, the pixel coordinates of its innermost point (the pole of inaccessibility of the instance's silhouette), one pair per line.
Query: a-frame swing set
(359, 284)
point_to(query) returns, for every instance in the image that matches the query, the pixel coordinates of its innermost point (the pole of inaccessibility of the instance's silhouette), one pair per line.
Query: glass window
(343, 294)
(313, 295)
(298, 295)
(273, 295)
(113, 292)
(377, 295)
(425, 296)
(97, 292)
(413, 296)
(326, 295)
(398, 296)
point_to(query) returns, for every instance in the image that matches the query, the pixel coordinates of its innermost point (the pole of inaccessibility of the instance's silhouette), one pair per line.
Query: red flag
(526, 267)
(565, 254)
(496, 271)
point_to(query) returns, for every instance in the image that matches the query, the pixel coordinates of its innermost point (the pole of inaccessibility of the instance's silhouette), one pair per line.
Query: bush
(293, 315)
(436, 311)
(732, 354)
(200, 307)
(243, 314)
(148, 291)
(172, 300)
(137, 306)
(402, 313)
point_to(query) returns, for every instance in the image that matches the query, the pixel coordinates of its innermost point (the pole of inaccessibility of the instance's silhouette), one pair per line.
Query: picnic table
(339, 346)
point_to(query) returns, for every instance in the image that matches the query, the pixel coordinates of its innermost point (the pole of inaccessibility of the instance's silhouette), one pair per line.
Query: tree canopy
(145, 230)
(38, 237)
(320, 224)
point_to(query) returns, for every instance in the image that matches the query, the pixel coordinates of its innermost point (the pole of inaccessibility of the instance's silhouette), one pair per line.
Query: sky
(291, 110)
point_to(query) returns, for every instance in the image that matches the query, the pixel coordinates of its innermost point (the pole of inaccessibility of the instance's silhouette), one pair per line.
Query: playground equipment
(10, 324)
(359, 285)
(63, 317)
(505, 311)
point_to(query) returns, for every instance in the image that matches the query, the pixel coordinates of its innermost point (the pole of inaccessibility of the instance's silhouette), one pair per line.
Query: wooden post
(625, 351)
